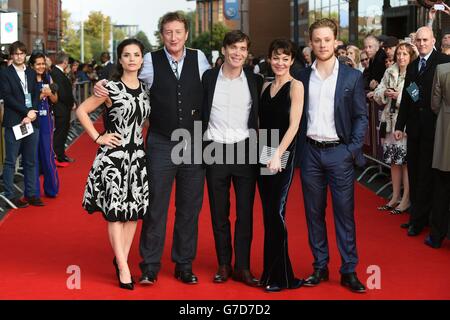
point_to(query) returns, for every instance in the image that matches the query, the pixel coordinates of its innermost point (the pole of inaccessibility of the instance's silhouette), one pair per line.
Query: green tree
(141, 36)
(97, 31)
(204, 43)
(71, 38)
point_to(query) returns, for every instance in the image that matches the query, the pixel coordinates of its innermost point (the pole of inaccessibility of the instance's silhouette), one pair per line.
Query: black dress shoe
(186, 276)
(246, 277)
(148, 277)
(350, 280)
(297, 283)
(35, 201)
(223, 273)
(432, 242)
(317, 276)
(68, 159)
(405, 225)
(414, 231)
(20, 203)
(272, 288)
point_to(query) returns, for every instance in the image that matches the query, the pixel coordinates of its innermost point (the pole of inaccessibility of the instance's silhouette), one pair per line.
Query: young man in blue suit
(19, 91)
(333, 127)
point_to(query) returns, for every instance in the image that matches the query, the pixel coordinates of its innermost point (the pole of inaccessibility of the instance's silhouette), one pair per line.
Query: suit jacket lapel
(15, 75)
(212, 90)
(339, 88)
(430, 62)
(252, 87)
(306, 79)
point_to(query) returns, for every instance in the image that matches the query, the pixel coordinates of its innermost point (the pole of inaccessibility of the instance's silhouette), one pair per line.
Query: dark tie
(423, 64)
(175, 68)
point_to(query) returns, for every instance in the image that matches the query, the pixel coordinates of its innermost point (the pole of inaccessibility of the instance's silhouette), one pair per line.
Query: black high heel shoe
(117, 270)
(128, 286)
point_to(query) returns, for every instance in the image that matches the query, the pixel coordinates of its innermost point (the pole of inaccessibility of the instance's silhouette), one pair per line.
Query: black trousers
(219, 178)
(62, 126)
(190, 181)
(420, 173)
(441, 203)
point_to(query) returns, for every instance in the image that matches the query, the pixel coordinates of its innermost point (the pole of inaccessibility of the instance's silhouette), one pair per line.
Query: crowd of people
(316, 106)
(39, 90)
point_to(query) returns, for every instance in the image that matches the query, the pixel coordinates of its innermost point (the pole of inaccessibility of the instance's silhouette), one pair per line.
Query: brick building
(262, 20)
(39, 22)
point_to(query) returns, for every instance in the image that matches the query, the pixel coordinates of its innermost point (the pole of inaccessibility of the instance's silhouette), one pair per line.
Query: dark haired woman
(46, 156)
(280, 113)
(117, 184)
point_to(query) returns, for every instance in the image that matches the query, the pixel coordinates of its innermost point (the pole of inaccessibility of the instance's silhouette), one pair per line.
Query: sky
(144, 13)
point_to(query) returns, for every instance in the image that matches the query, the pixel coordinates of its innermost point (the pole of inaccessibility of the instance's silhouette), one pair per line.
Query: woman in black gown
(280, 112)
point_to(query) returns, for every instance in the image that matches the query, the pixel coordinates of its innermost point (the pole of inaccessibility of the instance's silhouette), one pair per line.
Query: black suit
(12, 91)
(420, 123)
(62, 111)
(219, 178)
(377, 67)
(106, 72)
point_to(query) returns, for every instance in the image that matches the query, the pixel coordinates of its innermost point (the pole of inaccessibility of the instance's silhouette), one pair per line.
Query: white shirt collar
(427, 56)
(19, 70)
(170, 58)
(335, 68)
(241, 76)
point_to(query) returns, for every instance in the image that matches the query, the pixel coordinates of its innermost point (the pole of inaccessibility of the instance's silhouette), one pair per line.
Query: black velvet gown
(274, 114)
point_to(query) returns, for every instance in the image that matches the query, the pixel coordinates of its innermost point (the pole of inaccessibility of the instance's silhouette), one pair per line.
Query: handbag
(267, 154)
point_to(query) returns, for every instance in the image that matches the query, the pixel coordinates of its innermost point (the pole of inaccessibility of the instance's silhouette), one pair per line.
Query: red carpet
(37, 245)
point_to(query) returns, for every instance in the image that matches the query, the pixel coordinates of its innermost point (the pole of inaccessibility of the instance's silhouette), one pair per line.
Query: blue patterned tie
(423, 64)
(175, 69)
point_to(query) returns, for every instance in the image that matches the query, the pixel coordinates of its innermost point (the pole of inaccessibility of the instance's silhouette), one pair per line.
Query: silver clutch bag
(267, 154)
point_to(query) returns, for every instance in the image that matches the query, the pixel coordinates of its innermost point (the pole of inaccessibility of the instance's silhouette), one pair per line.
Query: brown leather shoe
(246, 277)
(223, 273)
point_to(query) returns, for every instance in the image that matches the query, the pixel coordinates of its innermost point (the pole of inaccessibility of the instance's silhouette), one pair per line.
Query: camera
(439, 6)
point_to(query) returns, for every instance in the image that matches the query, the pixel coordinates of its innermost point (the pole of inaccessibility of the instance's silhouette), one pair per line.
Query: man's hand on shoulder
(99, 89)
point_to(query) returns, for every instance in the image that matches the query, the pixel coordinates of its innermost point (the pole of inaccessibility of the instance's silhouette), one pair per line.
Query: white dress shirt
(23, 78)
(321, 125)
(232, 102)
(147, 73)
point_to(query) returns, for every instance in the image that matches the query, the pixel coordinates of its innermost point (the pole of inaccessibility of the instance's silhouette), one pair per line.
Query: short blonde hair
(323, 23)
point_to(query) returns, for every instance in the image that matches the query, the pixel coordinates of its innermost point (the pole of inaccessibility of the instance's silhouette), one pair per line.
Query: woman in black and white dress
(117, 184)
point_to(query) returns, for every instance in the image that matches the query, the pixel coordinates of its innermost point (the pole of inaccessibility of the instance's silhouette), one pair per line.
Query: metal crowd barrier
(81, 91)
(373, 150)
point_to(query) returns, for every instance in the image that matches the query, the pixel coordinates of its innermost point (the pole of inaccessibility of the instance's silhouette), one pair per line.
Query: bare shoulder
(297, 86)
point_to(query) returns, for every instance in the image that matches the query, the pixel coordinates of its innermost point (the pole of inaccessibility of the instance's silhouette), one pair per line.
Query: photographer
(46, 156)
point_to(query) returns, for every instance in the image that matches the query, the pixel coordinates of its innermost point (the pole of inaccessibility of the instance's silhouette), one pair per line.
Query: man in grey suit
(440, 104)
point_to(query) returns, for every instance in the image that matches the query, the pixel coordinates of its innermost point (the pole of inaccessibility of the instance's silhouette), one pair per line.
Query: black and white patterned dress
(117, 184)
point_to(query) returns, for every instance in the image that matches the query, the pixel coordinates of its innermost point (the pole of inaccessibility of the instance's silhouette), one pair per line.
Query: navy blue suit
(15, 111)
(334, 167)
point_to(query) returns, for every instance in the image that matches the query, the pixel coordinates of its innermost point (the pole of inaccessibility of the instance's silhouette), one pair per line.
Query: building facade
(39, 23)
(262, 20)
(356, 19)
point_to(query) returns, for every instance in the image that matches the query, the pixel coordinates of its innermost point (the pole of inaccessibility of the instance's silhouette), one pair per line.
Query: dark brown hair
(323, 23)
(119, 69)
(17, 46)
(281, 46)
(173, 16)
(235, 36)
